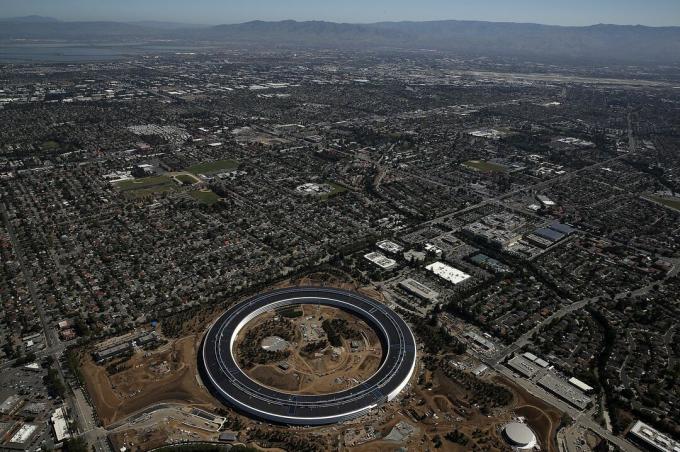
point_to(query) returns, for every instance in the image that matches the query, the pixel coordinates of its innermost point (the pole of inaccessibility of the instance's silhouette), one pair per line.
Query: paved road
(54, 346)
(526, 337)
(583, 419)
(580, 418)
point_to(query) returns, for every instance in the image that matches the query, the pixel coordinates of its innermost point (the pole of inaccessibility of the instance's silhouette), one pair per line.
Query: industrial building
(522, 365)
(111, 352)
(564, 390)
(549, 234)
(490, 264)
(547, 202)
(390, 247)
(479, 340)
(536, 360)
(125, 347)
(538, 241)
(580, 385)
(495, 235)
(11, 404)
(448, 273)
(22, 436)
(146, 339)
(651, 439)
(60, 424)
(228, 437)
(418, 289)
(381, 260)
(562, 228)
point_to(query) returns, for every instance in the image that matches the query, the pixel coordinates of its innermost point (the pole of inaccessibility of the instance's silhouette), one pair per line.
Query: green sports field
(486, 167)
(213, 167)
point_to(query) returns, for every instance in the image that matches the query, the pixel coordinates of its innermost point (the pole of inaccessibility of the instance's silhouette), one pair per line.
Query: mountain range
(625, 44)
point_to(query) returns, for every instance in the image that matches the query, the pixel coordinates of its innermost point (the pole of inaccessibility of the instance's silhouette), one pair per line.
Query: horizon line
(137, 21)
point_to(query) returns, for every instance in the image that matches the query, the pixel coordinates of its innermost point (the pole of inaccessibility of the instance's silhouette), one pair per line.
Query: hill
(593, 44)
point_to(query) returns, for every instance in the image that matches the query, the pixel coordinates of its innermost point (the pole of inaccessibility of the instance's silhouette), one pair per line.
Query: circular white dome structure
(519, 436)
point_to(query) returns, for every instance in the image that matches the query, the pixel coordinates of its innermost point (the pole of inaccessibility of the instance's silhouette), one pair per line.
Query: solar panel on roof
(549, 234)
(563, 228)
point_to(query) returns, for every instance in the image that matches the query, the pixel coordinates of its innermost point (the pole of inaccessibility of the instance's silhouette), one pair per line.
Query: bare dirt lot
(439, 406)
(326, 370)
(166, 375)
(170, 373)
(541, 417)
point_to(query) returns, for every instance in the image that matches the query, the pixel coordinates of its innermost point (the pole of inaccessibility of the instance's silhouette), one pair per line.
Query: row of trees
(435, 338)
(250, 351)
(486, 395)
(336, 329)
(284, 440)
(314, 347)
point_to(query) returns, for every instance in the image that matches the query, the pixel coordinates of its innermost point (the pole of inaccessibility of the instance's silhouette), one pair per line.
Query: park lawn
(145, 183)
(486, 167)
(151, 191)
(206, 197)
(213, 167)
(187, 179)
(49, 145)
(673, 203)
(336, 189)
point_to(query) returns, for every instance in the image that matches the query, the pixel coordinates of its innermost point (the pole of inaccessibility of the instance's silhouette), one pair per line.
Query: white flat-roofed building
(652, 439)
(581, 385)
(530, 356)
(430, 248)
(479, 370)
(390, 247)
(60, 425)
(541, 362)
(23, 434)
(381, 260)
(11, 404)
(450, 274)
(546, 201)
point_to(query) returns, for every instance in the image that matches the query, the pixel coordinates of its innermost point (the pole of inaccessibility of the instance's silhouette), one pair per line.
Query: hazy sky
(560, 12)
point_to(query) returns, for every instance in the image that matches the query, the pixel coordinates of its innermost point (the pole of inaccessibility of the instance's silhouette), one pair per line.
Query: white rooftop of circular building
(274, 344)
(519, 435)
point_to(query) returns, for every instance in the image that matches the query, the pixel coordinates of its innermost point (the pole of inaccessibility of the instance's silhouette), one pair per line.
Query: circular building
(520, 436)
(229, 383)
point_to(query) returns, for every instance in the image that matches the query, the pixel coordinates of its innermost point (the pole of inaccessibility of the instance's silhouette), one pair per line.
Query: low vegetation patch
(206, 197)
(337, 329)
(146, 186)
(144, 183)
(673, 203)
(487, 395)
(291, 313)
(186, 179)
(486, 167)
(336, 189)
(213, 167)
(250, 352)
